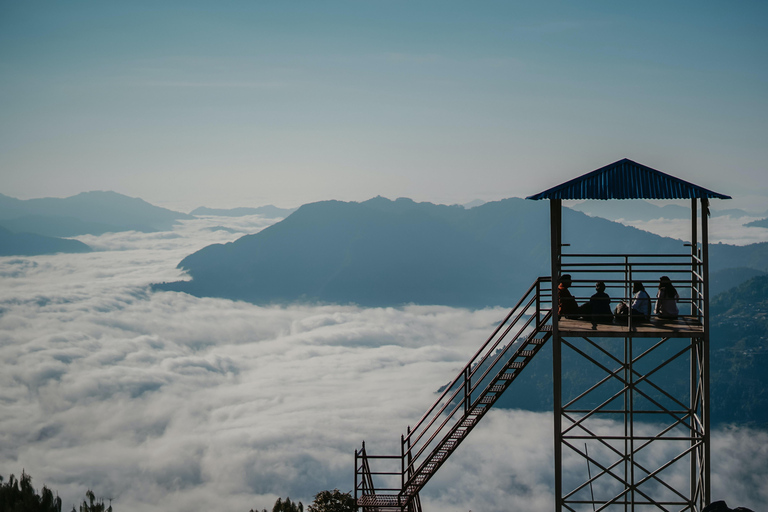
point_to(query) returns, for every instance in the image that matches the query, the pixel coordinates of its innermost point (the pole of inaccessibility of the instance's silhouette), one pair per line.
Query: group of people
(598, 308)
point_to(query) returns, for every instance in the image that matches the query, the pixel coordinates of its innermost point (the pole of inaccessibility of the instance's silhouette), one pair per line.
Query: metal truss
(632, 430)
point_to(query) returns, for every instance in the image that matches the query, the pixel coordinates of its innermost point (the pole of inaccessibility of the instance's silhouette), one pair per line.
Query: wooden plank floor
(683, 327)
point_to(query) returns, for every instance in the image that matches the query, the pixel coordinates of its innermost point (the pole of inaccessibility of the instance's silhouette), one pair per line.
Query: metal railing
(620, 271)
(458, 398)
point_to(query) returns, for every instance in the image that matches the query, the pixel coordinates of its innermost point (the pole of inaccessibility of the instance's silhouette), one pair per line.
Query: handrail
(478, 384)
(485, 359)
(618, 271)
(475, 356)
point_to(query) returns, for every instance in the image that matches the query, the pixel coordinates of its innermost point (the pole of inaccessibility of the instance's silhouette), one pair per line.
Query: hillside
(30, 244)
(385, 253)
(92, 213)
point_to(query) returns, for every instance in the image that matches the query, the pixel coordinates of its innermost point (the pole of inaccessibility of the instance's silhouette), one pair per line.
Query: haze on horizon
(236, 103)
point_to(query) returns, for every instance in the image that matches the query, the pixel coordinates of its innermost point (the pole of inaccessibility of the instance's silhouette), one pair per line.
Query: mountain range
(388, 253)
(91, 213)
(639, 210)
(31, 244)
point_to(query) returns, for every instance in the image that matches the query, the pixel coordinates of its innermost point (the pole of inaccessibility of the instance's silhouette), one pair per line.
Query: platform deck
(683, 327)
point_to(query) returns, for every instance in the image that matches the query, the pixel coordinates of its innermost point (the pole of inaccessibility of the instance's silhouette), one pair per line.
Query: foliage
(20, 496)
(332, 501)
(94, 506)
(285, 506)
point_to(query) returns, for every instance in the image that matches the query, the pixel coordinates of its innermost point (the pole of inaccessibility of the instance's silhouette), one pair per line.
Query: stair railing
(461, 397)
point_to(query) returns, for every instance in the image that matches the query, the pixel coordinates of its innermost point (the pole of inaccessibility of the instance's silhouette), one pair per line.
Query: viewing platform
(682, 327)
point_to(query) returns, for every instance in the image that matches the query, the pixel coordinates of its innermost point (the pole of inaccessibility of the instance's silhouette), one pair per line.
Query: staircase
(460, 407)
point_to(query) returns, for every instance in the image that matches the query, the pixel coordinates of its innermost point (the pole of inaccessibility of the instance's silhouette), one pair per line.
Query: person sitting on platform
(666, 300)
(641, 302)
(599, 305)
(566, 305)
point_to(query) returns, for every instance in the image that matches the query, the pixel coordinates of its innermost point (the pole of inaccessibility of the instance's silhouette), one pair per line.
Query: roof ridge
(627, 179)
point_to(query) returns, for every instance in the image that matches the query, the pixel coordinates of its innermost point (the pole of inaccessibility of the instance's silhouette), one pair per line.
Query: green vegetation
(332, 501)
(19, 496)
(325, 501)
(284, 506)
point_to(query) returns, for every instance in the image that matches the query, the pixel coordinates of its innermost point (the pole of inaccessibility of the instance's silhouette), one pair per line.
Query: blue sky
(234, 103)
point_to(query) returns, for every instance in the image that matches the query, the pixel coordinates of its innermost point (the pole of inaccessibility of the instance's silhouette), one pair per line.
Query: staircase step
(378, 500)
(488, 399)
(537, 341)
(516, 365)
(498, 388)
(526, 353)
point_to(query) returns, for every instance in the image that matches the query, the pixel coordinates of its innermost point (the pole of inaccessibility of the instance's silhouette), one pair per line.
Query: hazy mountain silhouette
(632, 210)
(30, 244)
(639, 210)
(92, 213)
(269, 211)
(383, 253)
(762, 223)
(724, 279)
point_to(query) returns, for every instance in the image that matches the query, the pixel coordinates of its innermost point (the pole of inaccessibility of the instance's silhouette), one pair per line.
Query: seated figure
(566, 304)
(666, 300)
(600, 305)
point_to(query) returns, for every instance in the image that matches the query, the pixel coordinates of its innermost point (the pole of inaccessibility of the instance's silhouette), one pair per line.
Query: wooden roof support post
(555, 226)
(705, 323)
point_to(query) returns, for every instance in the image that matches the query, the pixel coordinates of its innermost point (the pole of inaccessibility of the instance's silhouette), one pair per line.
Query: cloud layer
(163, 401)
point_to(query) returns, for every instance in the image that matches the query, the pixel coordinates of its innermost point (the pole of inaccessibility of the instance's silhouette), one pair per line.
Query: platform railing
(619, 271)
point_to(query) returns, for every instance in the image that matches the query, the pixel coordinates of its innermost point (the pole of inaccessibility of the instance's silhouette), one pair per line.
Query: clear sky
(244, 103)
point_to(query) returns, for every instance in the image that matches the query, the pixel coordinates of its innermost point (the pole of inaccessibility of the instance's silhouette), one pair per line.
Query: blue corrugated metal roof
(626, 179)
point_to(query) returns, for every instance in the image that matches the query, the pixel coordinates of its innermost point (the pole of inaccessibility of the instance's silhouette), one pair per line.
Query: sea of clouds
(167, 402)
(725, 229)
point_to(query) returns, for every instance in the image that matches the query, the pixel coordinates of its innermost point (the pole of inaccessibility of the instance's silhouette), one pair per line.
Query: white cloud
(165, 401)
(725, 229)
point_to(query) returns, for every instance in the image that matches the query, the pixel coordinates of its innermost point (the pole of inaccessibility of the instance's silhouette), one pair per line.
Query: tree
(19, 495)
(333, 501)
(284, 506)
(94, 506)
(287, 506)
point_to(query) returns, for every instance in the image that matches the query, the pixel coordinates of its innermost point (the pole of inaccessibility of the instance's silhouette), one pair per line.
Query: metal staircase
(460, 407)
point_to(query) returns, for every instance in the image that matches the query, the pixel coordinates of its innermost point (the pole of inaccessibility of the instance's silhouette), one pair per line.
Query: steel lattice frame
(628, 440)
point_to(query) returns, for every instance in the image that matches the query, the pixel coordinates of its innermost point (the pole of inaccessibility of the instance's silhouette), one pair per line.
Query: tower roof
(626, 179)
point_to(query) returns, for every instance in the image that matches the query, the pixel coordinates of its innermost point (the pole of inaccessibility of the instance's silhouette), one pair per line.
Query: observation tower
(631, 428)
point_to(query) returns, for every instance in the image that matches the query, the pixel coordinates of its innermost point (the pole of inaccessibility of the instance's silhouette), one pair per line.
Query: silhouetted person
(566, 304)
(666, 300)
(600, 305)
(641, 302)
(640, 308)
